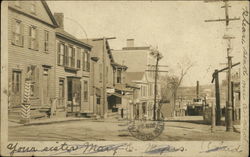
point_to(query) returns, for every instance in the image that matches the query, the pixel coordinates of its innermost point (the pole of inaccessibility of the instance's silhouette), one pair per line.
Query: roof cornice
(31, 16)
(73, 40)
(49, 12)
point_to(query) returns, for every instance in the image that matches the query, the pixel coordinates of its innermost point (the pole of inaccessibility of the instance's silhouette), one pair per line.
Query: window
(78, 58)
(16, 82)
(32, 7)
(61, 53)
(70, 57)
(46, 41)
(83, 61)
(17, 31)
(143, 91)
(34, 76)
(150, 90)
(33, 34)
(85, 92)
(88, 61)
(100, 72)
(119, 76)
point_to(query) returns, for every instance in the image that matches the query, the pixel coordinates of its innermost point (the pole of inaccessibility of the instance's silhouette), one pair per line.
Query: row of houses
(71, 76)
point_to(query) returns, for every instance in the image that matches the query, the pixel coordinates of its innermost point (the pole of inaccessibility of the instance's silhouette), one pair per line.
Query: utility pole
(229, 123)
(158, 57)
(156, 77)
(104, 107)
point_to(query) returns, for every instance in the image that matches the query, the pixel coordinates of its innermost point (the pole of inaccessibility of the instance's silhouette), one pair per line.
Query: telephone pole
(158, 56)
(229, 123)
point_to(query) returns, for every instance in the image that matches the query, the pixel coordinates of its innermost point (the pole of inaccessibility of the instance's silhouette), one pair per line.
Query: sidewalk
(48, 121)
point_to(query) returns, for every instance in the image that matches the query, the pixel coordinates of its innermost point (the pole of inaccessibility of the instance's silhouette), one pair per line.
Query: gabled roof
(98, 46)
(62, 33)
(49, 12)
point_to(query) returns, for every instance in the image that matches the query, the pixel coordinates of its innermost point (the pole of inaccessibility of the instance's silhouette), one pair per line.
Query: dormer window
(33, 7)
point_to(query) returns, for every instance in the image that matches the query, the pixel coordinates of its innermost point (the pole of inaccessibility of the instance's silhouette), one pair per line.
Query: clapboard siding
(19, 58)
(61, 73)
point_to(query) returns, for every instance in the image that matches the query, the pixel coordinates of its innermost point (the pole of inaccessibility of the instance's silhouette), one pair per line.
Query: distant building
(107, 78)
(72, 72)
(31, 51)
(139, 60)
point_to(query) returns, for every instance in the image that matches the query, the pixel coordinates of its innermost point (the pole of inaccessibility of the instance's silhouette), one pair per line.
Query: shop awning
(116, 94)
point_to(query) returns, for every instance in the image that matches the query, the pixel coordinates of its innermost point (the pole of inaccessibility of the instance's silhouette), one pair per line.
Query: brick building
(31, 46)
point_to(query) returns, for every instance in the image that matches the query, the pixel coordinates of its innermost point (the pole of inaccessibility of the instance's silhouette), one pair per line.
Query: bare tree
(171, 83)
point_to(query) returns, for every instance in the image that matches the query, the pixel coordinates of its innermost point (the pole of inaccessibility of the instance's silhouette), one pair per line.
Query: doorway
(16, 88)
(45, 87)
(74, 96)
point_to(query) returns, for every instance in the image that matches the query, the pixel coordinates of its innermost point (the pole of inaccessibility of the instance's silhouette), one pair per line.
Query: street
(115, 130)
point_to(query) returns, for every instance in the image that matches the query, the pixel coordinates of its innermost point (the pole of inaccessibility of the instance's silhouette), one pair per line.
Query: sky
(176, 28)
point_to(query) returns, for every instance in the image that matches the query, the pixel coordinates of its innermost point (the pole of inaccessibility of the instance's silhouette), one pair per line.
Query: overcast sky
(176, 28)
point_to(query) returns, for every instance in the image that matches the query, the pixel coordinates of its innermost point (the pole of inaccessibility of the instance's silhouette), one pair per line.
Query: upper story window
(61, 53)
(119, 76)
(70, 57)
(143, 91)
(33, 7)
(46, 41)
(100, 72)
(86, 61)
(17, 33)
(33, 35)
(83, 61)
(78, 58)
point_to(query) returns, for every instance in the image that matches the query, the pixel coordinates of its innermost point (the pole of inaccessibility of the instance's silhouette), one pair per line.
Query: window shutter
(83, 62)
(29, 38)
(22, 34)
(58, 53)
(66, 56)
(13, 26)
(73, 57)
(37, 43)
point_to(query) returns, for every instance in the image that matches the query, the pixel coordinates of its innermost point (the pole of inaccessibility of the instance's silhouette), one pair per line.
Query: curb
(49, 122)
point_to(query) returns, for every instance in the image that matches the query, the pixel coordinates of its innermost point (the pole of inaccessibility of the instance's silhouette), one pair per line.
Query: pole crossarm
(103, 38)
(223, 70)
(218, 20)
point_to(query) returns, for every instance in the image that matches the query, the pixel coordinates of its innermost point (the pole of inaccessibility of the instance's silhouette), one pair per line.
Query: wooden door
(61, 93)
(76, 91)
(16, 88)
(74, 95)
(45, 87)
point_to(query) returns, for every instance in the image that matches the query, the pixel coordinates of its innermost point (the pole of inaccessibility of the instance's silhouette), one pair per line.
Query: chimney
(59, 19)
(197, 89)
(130, 42)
